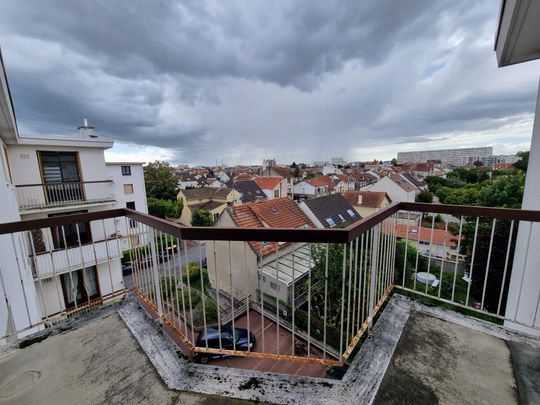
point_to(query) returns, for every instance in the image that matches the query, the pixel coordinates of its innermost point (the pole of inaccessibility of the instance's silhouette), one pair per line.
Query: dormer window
(351, 213)
(330, 222)
(341, 217)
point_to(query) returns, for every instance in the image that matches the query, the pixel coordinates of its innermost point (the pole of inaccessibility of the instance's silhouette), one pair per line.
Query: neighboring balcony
(50, 196)
(49, 264)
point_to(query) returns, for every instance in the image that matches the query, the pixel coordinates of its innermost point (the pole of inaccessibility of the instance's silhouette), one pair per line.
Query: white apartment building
(461, 156)
(128, 191)
(55, 176)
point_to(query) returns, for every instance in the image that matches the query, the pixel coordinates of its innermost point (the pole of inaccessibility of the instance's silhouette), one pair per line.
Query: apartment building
(461, 156)
(127, 191)
(54, 176)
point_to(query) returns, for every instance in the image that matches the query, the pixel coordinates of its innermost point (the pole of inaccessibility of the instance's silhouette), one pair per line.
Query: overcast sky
(238, 81)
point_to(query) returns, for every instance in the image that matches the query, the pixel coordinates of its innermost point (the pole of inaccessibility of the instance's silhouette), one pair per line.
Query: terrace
(354, 315)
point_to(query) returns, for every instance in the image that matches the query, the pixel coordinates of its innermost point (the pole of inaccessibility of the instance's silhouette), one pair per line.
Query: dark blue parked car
(229, 340)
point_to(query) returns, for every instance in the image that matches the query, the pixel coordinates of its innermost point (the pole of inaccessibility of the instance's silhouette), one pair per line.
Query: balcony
(60, 261)
(50, 196)
(353, 288)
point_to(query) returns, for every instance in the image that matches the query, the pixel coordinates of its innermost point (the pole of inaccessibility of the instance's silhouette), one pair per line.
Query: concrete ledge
(359, 384)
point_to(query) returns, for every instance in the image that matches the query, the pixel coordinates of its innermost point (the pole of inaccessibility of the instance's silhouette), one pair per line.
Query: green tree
(160, 181)
(295, 170)
(164, 208)
(394, 162)
(424, 196)
(202, 217)
(522, 163)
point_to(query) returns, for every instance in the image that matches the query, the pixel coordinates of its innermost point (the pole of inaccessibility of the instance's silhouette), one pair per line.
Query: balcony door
(80, 286)
(60, 171)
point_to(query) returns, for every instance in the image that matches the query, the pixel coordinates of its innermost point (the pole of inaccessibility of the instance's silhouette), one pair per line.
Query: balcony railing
(50, 195)
(59, 261)
(191, 286)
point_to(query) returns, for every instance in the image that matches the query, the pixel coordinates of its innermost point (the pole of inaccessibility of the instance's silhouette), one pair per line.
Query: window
(276, 193)
(274, 286)
(330, 222)
(341, 217)
(67, 236)
(128, 188)
(126, 170)
(351, 213)
(60, 172)
(131, 206)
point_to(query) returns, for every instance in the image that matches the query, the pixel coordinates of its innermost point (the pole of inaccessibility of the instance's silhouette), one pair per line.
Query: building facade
(459, 157)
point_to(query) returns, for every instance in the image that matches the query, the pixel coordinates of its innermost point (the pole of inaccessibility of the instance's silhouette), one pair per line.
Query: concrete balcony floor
(415, 355)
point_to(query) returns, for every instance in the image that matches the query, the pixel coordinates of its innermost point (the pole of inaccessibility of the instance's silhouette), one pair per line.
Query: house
(347, 180)
(330, 211)
(187, 181)
(419, 184)
(397, 188)
(330, 169)
(437, 242)
(222, 176)
(310, 188)
(273, 187)
(61, 175)
(278, 171)
(249, 190)
(211, 199)
(367, 202)
(363, 179)
(267, 269)
(212, 182)
(129, 191)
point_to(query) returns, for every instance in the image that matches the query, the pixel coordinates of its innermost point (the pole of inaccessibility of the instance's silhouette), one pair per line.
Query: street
(193, 254)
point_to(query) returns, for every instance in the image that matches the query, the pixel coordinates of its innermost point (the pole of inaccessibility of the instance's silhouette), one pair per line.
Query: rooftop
(371, 199)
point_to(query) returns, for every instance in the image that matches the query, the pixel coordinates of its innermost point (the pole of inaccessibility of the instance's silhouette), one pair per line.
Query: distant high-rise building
(462, 156)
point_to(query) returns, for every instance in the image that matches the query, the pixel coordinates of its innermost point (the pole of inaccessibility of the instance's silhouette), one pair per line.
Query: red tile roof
(245, 177)
(277, 213)
(371, 199)
(268, 183)
(423, 234)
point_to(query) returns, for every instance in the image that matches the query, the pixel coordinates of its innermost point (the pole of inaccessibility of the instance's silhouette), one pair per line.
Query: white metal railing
(50, 195)
(63, 260)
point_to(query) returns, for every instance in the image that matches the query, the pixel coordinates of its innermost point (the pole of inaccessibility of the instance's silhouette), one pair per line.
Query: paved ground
(100, 362)
(437, 361)
(271, 346)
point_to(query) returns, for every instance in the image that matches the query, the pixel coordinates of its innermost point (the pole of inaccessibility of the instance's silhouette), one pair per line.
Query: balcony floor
(416, 354)
(100, 362)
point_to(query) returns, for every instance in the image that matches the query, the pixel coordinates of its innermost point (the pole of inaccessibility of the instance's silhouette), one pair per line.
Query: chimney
(86, 130)
(359, 199)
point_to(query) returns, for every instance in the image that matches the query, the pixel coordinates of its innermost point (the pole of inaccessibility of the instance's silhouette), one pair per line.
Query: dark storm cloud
(239, 80)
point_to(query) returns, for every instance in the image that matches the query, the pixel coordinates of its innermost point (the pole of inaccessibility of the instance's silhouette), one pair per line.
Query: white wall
(16, 284)
(524, 291)
(395, 192)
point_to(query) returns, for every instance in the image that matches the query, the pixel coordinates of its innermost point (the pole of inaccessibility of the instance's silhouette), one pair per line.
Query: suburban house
(278, 171)
(212, 182)
(418, 183)
(397, 188)
(438, 242)
(273, 187)
(249, 190)
(362, 179)
(213, 200)
(187, 181)
(330, 211)
(367, 202)
(128, 191)
(78, 265)
(310, 188)
(269, 269)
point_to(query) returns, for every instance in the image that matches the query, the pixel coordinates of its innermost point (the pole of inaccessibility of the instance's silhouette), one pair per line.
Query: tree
(164, 208)
(295, 170)
(202, 217)
(478, 163)
(394, 162)
(160, 181)
(523, 162)
(425, 197)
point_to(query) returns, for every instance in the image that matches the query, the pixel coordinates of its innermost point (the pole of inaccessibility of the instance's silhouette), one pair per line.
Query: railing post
(373, 278)
(155, 274)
